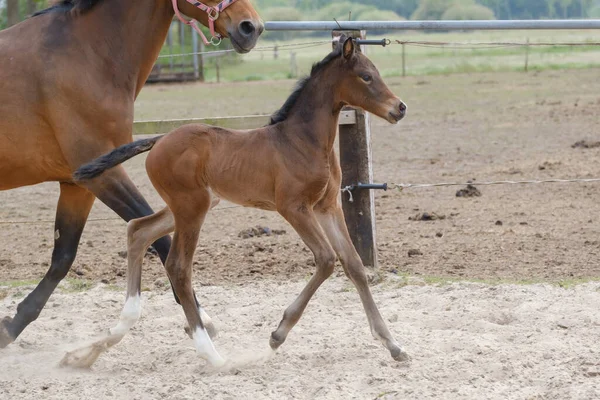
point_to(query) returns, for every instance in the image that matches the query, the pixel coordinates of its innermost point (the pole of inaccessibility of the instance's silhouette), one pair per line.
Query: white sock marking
(206, 348)
(129, 316)
(206, 320)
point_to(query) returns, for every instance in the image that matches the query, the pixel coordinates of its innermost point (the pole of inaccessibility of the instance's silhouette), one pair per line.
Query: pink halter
(213, 14)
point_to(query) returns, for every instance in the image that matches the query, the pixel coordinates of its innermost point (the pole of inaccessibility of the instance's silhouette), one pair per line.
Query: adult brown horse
(69, 77)
(289, 166)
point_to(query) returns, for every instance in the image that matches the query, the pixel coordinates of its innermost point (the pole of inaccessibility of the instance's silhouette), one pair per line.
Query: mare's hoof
(399, 355)
(5, 337)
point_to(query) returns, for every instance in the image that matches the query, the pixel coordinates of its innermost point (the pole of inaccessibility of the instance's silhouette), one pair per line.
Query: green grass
(19, 283)
(442, 281)
(114, 288)
(77, 285)
(261, 64)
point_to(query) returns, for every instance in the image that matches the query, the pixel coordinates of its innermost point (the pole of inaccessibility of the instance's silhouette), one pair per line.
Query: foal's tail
(114, 158)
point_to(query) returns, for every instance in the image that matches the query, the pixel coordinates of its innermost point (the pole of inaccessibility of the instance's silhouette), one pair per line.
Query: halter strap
(211, 12)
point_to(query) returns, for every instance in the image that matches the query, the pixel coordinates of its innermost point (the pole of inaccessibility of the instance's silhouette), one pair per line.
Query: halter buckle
(213, 14)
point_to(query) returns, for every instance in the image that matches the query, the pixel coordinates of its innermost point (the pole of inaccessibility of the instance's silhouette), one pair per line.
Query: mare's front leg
(303, 220)
(334, 225)
(74, 205)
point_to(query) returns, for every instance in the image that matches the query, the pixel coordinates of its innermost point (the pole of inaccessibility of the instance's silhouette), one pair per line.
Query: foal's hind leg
(190, 210)
(141, 233)
(117, 191)
(307, 226)
(334, 225)
(74, 205)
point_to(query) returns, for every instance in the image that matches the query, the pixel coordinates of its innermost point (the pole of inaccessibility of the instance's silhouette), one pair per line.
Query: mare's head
(361, 85)
(238, 21)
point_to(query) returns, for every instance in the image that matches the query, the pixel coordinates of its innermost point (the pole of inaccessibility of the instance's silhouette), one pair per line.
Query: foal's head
(362, 86)
(239, 21)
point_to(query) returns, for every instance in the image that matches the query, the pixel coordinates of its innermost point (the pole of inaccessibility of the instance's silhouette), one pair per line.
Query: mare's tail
(114, 158)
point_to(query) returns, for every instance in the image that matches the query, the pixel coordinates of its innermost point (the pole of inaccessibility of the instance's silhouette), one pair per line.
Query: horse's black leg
(117, 191)
(74, 206)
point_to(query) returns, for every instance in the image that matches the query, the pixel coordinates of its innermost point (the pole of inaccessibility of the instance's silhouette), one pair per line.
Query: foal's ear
(348, 48)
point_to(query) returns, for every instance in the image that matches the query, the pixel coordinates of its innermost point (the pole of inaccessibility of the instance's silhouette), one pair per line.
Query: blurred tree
(594, 10)
(463, 12)
(12, 12)
(342, 11)
(431, 9)
(403, 8)
(31, 7)
(281, 14)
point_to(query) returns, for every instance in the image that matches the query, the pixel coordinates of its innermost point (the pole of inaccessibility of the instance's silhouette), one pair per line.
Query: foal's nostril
(402, 107)
(247, 28)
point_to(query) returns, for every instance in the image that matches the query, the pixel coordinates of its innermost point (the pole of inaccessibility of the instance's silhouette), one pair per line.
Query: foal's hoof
(5, 337)
(86, 356)
(275, 341)
(399, 355)
(210, 329)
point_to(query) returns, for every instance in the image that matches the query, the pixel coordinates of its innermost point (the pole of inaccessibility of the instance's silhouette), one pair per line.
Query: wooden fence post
(218, 68)
(403, 59)
(527, 56)
(293, 65)
(355, 160)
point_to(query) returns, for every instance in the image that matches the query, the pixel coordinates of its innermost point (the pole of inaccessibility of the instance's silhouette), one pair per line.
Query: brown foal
(289, 166)
(69, 77)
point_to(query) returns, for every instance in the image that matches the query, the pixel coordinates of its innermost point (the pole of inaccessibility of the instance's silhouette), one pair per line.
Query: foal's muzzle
(398, 112)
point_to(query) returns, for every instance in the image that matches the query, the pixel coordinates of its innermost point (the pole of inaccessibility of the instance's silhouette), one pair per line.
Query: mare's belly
(27, 159)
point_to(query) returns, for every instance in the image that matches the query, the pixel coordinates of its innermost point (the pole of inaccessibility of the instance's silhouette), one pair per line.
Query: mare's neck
(314, 117)
(127, 37)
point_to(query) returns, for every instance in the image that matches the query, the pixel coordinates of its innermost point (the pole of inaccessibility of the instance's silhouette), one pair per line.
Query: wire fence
(348, 190)
(398, 186)
(490, 45)
(49, 221)
(294, 46)
(291, 71)
(415, 43)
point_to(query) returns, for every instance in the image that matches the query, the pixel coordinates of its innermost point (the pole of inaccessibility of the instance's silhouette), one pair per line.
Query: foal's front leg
(189, 216)
(333, 223)
(305, 223)
(141, 233)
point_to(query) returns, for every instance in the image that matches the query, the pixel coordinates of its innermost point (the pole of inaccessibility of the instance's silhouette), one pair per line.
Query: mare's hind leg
(307, 226)
(74, 205)
(141, 233)
(189, 209)
(334, 225)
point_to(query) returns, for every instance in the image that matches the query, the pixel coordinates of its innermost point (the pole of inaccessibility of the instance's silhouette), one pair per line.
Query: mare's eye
(366, 77)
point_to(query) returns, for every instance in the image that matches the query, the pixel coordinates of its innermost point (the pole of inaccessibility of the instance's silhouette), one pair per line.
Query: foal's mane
(282, 114)
(77, 6)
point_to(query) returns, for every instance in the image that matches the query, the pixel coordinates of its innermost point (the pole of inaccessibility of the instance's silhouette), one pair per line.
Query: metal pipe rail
(432, 25)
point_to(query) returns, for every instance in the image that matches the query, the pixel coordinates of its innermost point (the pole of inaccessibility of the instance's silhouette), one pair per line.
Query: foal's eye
(366, 77)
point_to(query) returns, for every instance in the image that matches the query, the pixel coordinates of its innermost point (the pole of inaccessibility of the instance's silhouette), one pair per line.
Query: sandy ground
(466, 340)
